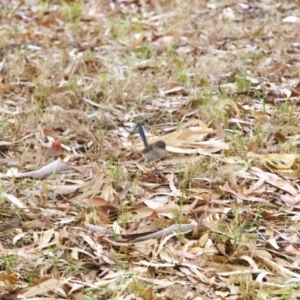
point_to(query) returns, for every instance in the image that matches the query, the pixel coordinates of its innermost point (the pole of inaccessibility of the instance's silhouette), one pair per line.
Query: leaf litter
(82, 213)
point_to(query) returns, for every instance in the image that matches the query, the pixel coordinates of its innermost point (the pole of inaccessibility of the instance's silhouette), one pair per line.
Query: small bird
(152, 152)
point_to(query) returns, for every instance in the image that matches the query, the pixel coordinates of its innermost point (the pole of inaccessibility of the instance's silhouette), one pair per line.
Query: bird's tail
(142, 134)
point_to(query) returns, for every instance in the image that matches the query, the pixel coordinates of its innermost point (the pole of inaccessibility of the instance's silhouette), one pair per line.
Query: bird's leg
(151, 165)
(155, 167)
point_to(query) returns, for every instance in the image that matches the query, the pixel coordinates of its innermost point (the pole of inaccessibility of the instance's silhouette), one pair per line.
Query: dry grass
(218, 80)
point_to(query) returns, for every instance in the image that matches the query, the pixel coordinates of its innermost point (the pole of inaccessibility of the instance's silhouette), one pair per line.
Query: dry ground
(218, 81)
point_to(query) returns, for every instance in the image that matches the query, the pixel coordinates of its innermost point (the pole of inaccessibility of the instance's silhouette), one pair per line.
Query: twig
(180, 228)
(96, 137)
